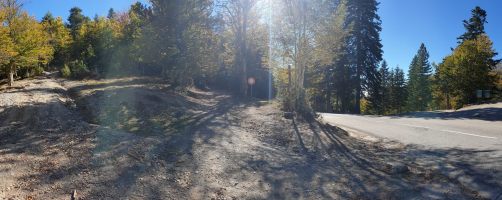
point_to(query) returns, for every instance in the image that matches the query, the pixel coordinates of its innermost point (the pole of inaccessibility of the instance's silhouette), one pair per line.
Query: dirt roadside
(135, 138)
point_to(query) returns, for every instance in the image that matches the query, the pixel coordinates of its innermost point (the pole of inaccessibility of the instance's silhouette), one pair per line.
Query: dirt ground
(135, 138)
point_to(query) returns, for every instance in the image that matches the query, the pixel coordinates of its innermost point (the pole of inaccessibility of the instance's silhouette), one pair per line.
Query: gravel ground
(135, 138)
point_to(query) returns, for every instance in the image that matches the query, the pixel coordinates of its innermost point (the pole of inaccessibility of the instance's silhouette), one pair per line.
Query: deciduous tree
(30, 46)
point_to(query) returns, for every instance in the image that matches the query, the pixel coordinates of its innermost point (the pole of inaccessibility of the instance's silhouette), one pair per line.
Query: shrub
(78, 69)
(38, 70)
(65, 71)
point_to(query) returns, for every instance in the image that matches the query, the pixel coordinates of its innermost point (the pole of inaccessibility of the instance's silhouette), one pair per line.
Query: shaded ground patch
(137, 139)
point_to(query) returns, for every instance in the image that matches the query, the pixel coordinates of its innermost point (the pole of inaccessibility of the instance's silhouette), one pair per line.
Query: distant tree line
(333, 48)
(346, 72)
(192, 42)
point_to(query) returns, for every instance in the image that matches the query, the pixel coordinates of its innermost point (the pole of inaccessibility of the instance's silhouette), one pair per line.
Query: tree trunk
(328, 93)
(244, 86)
(12, 70)
(448, 106)
(337, 108)
(357, 109)
(289, 96)
(329, 107)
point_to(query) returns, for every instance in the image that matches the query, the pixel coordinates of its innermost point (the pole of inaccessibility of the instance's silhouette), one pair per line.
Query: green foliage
(343, 61)
(78, 69)
(497, 73)
(377, 100)
(419, 86)
(365, 46)
(59, 38)
(111, 14)
(397, 92)
(385, 78)
(329, 83)
(475, 26)
(180, 38)
(26, 43)
(463, 72)
(365, 106)
(75, 21)
(389, 96)
(6, 43)
(65, 72)
(333, 46)
(468, 68)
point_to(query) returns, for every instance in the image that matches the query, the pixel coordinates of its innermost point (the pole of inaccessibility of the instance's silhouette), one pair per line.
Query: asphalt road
(435, 132)
(477, 132)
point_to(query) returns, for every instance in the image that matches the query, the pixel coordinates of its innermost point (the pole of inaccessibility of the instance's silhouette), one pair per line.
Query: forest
(332, 47)
(249, 99)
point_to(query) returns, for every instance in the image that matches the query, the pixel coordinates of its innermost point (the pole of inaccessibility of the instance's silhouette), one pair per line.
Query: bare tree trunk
(244, 86)
(357, 109)
(289, 89)
(448, 106)
(12, 70)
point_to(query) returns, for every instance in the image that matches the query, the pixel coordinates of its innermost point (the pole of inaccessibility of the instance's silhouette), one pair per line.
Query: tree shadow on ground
(328, 169)
(41, 147)
(139, 107)
(474, 171)
(155, 159)
(161, 165)
(60, 152)
(337, 166)
(295, 159)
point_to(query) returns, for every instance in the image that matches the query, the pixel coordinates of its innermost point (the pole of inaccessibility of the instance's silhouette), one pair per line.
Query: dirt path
(43, 143)
(136, 139)
(258, 155)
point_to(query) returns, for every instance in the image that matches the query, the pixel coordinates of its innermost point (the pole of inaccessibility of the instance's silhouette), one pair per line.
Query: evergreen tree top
(111, 14)
(420, 63)
(48, 17)
(475, 26)
(384, 64)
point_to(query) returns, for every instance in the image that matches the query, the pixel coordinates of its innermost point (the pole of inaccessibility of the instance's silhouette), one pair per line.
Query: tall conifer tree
(419, 92)
(475, 25)
(365, 44)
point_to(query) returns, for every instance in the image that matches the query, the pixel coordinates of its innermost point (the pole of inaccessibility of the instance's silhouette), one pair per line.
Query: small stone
(396, 168)
(288, 115)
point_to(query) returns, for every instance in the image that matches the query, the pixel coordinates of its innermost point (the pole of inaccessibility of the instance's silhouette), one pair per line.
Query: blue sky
(437, 23)
(405, 23)
(39, 8)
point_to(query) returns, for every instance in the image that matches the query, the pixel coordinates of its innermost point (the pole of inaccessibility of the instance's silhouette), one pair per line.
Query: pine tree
(397, 91)
(181, 38)
(419, 92)
(76, 20)
(135, 33)
(330, 45)
(475, 26)
(378, 91)
(111, 14)
(365, 44)
(343, 85)
(385, 87)
(59, 38)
